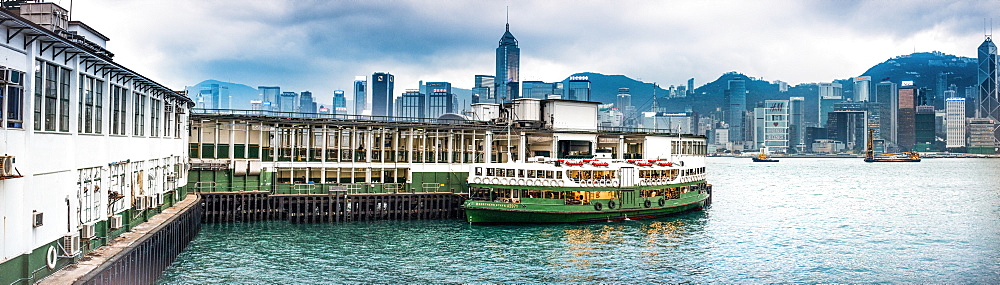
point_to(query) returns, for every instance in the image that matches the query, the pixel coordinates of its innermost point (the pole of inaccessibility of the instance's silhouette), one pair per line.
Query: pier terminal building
(88, 148)
(285, 153)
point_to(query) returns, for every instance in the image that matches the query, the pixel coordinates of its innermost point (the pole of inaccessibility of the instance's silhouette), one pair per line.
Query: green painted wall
(28, 268)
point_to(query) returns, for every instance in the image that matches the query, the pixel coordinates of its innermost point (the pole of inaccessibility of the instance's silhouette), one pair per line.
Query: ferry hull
(504, 216)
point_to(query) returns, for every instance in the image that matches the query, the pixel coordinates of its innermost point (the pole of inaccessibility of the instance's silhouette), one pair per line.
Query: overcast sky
(320, 46)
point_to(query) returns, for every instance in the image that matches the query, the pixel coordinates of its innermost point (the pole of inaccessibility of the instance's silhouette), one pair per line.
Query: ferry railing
(210, 186)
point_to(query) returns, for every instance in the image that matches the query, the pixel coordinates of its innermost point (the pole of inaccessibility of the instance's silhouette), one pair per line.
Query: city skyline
(320, 47)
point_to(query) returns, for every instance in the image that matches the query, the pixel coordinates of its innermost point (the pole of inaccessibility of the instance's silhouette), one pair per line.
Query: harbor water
(810, 220)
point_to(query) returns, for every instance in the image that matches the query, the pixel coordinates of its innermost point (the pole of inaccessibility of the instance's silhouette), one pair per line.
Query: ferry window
(585, 175)
(541, 173)
(520, 173)
(531, 174)
(510, 173)
(558, 174)
(548, 174)
(479, 171)
(552, 194)
(531, 194)
(490, 172)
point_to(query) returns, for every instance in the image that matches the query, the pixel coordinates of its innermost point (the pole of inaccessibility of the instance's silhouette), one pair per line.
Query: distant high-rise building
(269, 97)
(306, 102)
(862, 88)
(906, 120)
(440, 99)
(886, 94)
(537, 89)
(955, 108)
(736, 108)
(382, 96)
(796, 121)
(847, 124)
(782, 86)
(360, 95)
(776, 119)
(939, 90)
(924, 126)
(339, 105)
(981, 139)
(690, 88)
(288, 101)
(578, 88)
(483, 91)
(215, 96)
(989, 96)
(624, 104)
(829, 94)
(508, 67)
(412, 104)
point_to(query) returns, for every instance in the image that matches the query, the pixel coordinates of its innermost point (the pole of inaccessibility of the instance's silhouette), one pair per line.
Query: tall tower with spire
(508, 64)
(989, 99)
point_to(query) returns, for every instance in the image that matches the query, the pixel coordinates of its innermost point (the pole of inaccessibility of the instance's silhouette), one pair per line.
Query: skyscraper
(508, 66)
(796, 121)
(906, 120)
(690, 88)
(737, 99)
(829, 94)
(306, 102)
(624, 105)
(360, 95)
(412, 104)
(886, 94)
(578, 88)
(537, 89)
(989, 99)
(382, 95)
(862, 88)
(483, 91)
(440, 100)
(776, 118)
(339, 105)
(287, 102)
(269, 97)
(955, 108)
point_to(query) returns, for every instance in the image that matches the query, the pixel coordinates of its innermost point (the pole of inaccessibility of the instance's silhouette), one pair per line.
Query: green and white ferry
(584, 190)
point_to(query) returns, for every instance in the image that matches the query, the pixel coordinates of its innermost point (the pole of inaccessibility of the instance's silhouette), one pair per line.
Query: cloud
(321, 45)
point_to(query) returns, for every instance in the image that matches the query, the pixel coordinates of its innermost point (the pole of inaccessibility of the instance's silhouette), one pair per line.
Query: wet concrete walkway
(94, 259)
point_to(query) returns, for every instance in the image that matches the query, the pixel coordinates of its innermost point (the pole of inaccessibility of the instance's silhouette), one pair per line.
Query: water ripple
(798, 221)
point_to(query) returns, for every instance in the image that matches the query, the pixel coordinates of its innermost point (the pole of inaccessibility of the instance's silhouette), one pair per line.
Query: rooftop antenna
(508, 18)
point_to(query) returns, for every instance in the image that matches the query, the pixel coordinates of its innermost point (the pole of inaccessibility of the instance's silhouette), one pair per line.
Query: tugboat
(587, 190)
(763, 157)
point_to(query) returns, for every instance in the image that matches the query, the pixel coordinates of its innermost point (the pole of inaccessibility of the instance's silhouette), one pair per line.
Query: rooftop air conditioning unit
(87, 232)
(116, 222)
(7, 166)
(71, 244)
(36, 219)
(140, 203)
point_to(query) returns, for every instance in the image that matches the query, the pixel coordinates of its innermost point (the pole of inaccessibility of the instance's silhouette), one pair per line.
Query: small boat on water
(567, 191)
(763, 157)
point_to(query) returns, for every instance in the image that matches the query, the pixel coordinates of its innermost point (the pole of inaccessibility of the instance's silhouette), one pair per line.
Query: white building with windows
(90, 148)
(955, 122)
